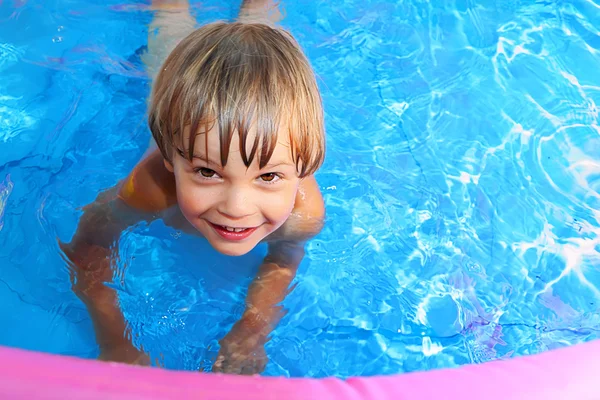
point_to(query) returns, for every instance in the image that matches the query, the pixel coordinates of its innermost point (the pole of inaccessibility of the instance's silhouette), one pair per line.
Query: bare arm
(242, 349)
(91, 253)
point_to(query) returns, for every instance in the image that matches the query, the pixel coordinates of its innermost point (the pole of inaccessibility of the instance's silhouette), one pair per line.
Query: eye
(270, 177)
(205, 172)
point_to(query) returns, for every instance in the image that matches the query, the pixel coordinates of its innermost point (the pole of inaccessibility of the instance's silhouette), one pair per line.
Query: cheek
(279, 206)
(193, 199)
(187, 201)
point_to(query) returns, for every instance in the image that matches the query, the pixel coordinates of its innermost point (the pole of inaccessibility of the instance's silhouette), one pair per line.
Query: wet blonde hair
(237, 75)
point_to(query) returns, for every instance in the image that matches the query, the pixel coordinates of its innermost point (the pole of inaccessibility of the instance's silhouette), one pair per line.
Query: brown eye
(269, 177)
(206, 172)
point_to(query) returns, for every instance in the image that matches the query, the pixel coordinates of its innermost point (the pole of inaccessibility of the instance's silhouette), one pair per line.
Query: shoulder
(309, 200)
(307, 216)
(150, 186)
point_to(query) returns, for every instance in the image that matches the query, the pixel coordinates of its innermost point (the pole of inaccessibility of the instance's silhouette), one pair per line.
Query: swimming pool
(462, 184)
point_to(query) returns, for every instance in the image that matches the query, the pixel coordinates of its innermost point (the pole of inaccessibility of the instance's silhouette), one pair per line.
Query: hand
(124, 353)
(242, 357)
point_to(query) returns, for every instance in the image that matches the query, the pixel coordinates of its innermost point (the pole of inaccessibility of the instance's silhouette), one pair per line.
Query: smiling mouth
(232, 233)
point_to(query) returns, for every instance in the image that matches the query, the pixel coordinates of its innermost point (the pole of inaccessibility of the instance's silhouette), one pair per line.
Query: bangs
(248, 79)
(240, 105)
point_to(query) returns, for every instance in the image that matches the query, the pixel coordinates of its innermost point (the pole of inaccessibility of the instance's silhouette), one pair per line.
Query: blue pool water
(462, 185)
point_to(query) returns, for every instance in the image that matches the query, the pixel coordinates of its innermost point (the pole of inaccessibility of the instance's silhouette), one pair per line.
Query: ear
(168, 165)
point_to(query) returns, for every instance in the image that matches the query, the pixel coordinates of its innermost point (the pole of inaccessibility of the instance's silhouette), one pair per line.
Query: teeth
(229, 229)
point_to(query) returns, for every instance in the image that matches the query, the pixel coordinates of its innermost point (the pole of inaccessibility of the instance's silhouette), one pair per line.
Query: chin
(234, 250)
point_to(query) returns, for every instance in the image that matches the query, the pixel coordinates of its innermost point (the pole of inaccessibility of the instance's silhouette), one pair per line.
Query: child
(237, 118)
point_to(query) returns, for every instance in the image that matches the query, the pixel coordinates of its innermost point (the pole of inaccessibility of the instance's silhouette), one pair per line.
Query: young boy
(237, 118)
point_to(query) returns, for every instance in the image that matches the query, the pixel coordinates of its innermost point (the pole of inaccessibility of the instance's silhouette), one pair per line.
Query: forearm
(111, 330)
(91, 271)
(109, 323)
(268, 290)
(91, 254)
(263, 302)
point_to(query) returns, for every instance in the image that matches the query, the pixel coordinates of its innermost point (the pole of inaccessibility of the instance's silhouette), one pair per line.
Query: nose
(236, 204)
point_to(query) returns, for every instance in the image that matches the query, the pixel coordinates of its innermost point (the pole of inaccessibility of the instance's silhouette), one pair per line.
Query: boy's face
(234, 207)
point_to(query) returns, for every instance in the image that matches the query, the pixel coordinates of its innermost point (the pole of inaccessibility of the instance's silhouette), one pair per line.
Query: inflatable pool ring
(568, 373)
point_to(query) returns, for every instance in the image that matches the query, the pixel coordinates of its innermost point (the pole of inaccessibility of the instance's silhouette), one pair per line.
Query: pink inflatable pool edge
(568, 373)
